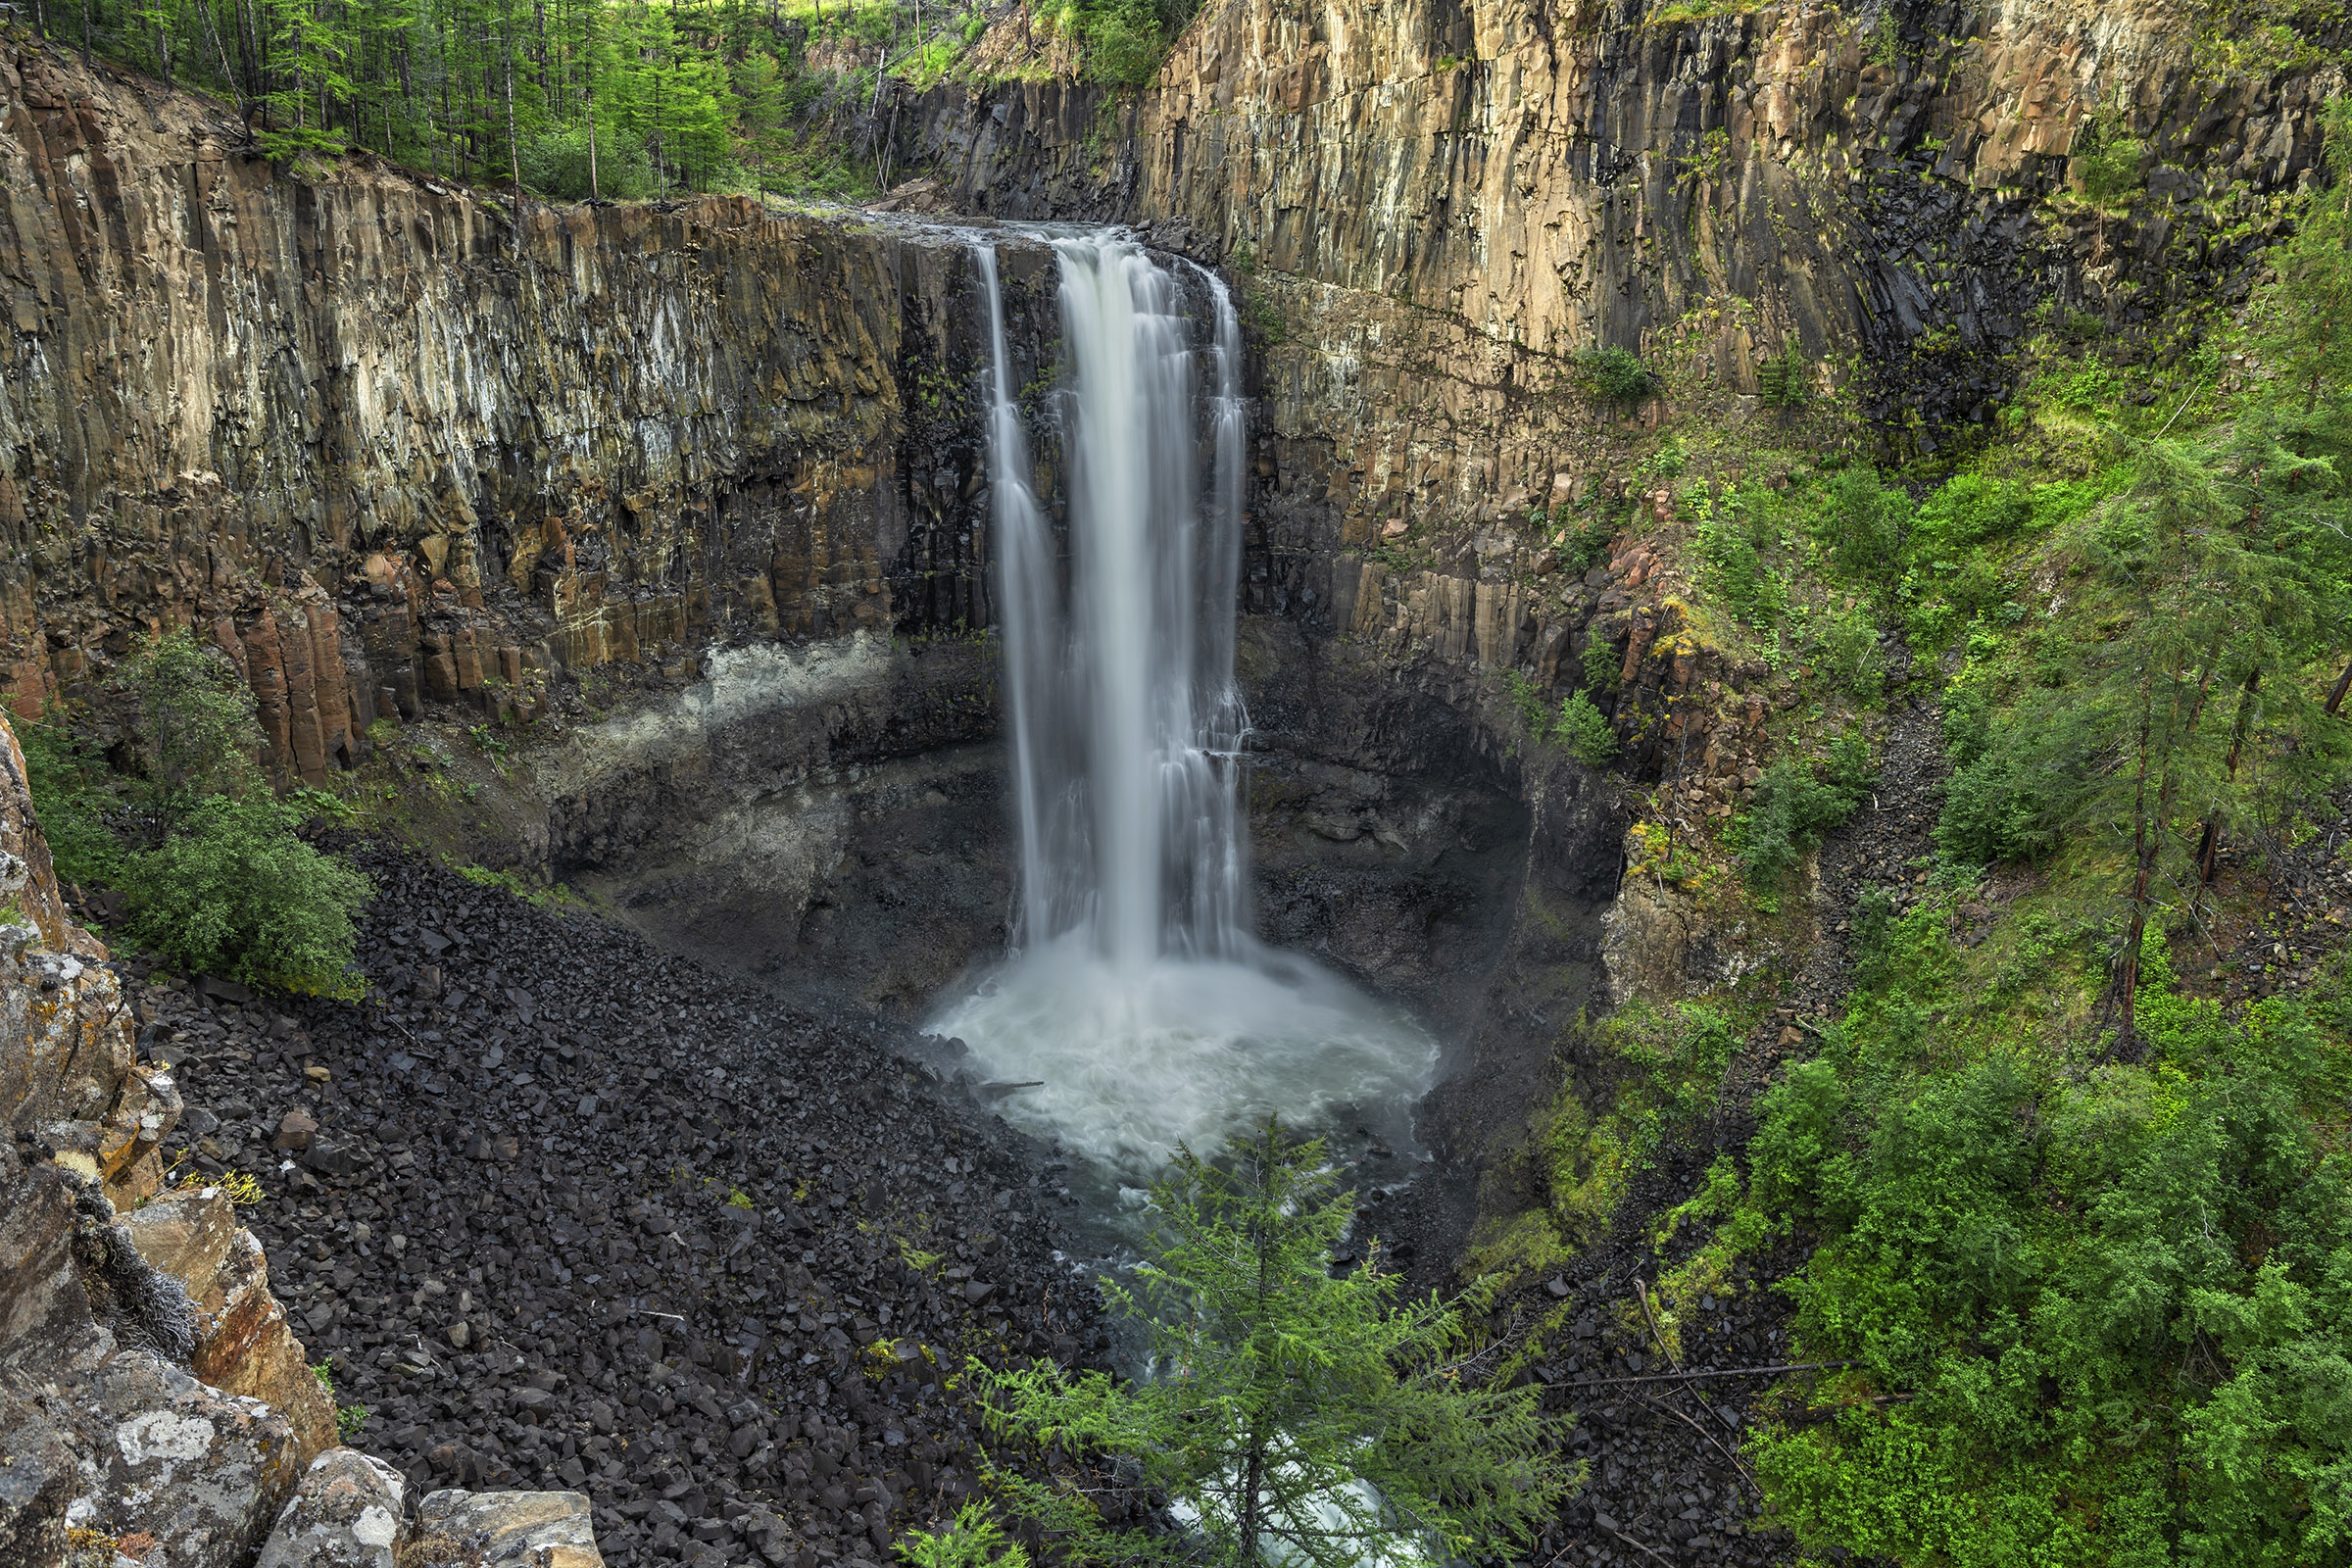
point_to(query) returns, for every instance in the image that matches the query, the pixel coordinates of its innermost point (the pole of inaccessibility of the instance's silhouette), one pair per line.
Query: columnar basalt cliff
(389, 448)
(1434, 208)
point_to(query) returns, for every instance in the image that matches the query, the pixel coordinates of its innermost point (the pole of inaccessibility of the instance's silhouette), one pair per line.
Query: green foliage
(1615, 375)
(1580, 545)
(1662, 1068)
(1731, 541)
(976, 1538)
(1785, 380)
(1125, 39)
(197, 735)
(349, 1420)
(73, 798)
(1283, 1387)
(2013, 781)
(1583, 729)
(1603, 664)
(232, 891)
(1861, 523)
(2106, 168)
(556, 162)
(2101, 1318)
(1793, 804)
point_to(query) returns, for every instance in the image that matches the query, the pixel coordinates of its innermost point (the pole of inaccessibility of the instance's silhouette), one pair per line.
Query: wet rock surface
(565, 1212)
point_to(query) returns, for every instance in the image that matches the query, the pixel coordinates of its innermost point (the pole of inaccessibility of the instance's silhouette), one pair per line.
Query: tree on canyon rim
(1299, 1416)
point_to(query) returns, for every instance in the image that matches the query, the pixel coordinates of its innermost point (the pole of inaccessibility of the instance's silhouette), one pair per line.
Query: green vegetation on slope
(2081, 1227)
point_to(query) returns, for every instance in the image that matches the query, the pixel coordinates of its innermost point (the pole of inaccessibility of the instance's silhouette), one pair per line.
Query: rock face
(242, 1342)
(348, 1513)
(389, 449)
(151, 1390)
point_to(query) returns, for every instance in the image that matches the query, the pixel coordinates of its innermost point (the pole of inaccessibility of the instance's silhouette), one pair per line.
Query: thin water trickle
(1136, 992)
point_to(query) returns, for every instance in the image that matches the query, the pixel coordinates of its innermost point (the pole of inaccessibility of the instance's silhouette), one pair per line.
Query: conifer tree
(1299, 1416)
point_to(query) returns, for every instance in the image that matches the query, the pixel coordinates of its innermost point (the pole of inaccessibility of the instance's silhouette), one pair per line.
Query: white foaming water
(1136, 993)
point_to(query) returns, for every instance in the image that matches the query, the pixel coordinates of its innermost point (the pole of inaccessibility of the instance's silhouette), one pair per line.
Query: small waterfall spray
(1136, 992)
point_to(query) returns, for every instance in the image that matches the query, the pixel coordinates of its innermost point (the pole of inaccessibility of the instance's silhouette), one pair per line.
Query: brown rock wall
(388, 447)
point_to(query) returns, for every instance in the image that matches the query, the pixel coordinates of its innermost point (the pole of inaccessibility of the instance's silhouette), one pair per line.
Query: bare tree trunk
(2209, 846)
(2336, 698)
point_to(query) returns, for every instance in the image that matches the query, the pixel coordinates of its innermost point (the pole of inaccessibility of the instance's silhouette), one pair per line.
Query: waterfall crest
(1135, 990)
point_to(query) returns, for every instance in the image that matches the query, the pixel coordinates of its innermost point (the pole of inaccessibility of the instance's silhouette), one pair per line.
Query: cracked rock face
(161, 1454)
(505, 1530)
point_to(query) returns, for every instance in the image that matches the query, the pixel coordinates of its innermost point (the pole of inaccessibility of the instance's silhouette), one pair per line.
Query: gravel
(563, 1210)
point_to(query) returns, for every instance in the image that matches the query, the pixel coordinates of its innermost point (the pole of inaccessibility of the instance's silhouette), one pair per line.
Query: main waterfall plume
(1136, 993)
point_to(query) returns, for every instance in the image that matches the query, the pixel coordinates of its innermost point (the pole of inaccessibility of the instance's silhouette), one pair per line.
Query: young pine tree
(1299, 1417)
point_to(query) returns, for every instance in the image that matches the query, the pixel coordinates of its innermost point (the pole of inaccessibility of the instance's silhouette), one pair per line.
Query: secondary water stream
(1136, 997)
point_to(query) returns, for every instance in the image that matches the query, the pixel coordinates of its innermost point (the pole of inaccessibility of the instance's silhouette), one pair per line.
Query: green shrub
(1603, 663)
(554, 164)
(2096, 1317)
(1616, 375)
(1970, 510)
(234, 892)
(1793, 804)
(2011, 784)
(73, 799)
(1582, 544)
(1584, 730)
(1861, 522)
(1847, 647)
(1737, 571)
(197, 735)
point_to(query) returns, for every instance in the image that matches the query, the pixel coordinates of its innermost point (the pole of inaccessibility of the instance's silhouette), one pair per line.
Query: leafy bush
(1793, 805)
(1847, 647)
(1616, 375)
(2098, 1317)
(1124, 43)
(1970, 510)
(72, 796)
(232, 891)
(554, 164)
(1582, 544)
(197, 735)
(1861, 522)
(1603, 663)
(2013, 780)
(1585, 731)
(1737, 572)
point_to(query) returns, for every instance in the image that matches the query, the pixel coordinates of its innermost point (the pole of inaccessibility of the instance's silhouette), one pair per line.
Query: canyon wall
(1433, 208)
(389, 448)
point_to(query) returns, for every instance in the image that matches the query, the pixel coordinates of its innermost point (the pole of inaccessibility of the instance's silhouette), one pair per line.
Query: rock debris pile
(563, 1211)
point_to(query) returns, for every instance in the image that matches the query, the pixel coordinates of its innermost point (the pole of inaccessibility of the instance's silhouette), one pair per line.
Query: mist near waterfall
(1136, 997)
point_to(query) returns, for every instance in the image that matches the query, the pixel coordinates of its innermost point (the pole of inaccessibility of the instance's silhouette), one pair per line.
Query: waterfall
(1135, 991)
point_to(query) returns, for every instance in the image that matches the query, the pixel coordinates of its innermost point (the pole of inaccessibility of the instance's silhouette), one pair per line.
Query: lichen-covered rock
(244, 1344)
(505, 1530)
(161, 1455)
(347, 1513)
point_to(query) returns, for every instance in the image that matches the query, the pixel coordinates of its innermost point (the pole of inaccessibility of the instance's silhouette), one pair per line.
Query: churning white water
(1136, 995)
